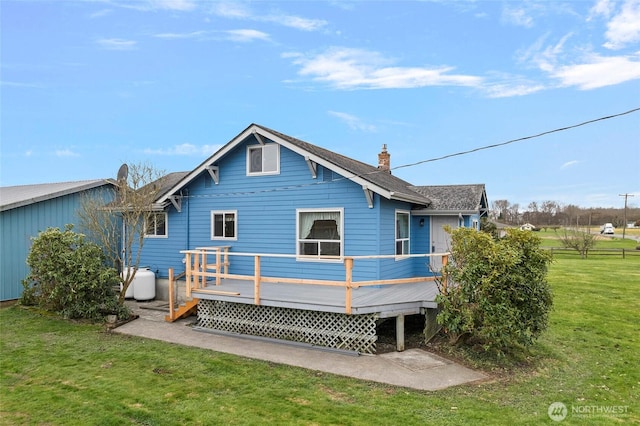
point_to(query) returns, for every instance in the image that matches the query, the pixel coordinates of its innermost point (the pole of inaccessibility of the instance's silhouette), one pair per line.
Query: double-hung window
(263, 159)
(224, 225)
(402, 233)
(155, 225)
(320, 233)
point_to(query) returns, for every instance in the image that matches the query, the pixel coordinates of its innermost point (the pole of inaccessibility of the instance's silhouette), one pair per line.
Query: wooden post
(202, 283)
(445, 260)
(226, 261)
(348, 264)
(218, 265)
(171, 298)
(256, 282)
(400, 333)
(188, 274)
(196, 269)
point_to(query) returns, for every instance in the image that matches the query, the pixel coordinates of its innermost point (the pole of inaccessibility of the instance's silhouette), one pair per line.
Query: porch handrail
(197, 271)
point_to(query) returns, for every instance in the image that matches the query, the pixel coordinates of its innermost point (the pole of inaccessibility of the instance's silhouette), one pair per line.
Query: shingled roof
(370, 177)
(368, 172)
(454, 198)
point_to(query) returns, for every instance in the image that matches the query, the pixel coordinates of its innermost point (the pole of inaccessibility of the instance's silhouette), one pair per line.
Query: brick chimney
(384, 159)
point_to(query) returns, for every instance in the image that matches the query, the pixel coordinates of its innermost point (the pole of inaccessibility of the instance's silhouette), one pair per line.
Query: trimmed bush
(497, 294)
(68, 276)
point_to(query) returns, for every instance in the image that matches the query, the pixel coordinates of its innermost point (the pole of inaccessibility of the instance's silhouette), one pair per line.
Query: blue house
(25, 211)
(292, 225)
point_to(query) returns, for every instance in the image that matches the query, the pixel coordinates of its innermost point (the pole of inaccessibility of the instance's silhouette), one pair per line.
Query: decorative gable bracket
(214, 172)
(176, 200)
(258, 137)
(368, 194)
(313, 167)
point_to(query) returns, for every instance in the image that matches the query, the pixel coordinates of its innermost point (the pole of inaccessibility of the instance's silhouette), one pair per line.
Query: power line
(518, 140)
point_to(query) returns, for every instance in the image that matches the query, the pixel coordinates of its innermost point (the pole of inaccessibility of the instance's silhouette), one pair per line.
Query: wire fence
(616, 252)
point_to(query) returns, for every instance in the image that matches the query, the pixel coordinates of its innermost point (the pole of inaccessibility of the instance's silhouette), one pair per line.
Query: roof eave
(91, 185)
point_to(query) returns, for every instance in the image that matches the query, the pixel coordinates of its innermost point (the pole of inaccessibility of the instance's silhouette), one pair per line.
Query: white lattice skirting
(328, 329)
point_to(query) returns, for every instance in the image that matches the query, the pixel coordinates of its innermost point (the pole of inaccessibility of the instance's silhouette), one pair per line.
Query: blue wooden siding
(266, 217)
(19, 225)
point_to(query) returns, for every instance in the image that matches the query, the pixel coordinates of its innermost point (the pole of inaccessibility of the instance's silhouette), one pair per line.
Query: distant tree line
(553, 213)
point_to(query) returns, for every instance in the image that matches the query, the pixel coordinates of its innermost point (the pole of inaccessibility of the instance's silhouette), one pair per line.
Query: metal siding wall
(20, 225)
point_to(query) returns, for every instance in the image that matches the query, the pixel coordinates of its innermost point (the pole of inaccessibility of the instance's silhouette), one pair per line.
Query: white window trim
(166, 226)
(235, 225)
(318, 258)
(395, 232)
(263, 173)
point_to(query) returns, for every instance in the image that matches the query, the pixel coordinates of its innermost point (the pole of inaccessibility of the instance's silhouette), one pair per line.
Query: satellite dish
(123, 172)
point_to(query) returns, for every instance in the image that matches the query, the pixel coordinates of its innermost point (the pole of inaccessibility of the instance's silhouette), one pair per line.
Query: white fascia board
(208, 162)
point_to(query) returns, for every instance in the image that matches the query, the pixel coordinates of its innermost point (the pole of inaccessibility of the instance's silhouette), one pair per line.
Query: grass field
(54, 372)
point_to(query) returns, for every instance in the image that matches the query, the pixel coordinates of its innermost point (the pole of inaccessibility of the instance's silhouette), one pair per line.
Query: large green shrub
(497, 292)
(68, 276)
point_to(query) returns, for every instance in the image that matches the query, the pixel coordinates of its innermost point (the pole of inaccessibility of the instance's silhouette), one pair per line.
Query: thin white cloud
(353, 122)
(175, 36)
(246, 35)
(511, 89)
(242, 11)
(624, 28)
(599, 71)
(66, 153)
(517, 16)
(601, 8)
(239, 35)
(100, 13)
(117, 44)
(185, 149)
(231, 10)
(180, 5)
(155, 5)
(348, 69)
(19, 84)
(296, 22)
(569, 164)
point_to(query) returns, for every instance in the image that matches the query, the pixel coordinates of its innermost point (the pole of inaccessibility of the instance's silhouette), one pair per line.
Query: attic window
(263, 159)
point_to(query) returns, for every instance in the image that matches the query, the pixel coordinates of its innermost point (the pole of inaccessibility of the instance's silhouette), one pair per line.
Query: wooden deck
(385, 300)
(332, 313)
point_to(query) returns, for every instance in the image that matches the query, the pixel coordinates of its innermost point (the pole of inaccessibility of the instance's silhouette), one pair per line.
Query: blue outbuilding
(25, 211)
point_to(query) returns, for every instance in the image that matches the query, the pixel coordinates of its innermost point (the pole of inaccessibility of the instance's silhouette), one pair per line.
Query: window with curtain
(402, 233)
(155, 225)
(223, 225)
(320, 233)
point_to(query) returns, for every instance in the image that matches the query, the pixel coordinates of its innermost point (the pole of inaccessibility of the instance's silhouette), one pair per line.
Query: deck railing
(198, 269)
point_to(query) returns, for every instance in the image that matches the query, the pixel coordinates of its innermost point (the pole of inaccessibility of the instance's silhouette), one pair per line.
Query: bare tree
(500, 209)
(577, 240)
(119, 226)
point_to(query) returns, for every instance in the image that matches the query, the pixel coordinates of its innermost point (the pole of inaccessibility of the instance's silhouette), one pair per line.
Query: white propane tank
(129, 293)
(144, 284)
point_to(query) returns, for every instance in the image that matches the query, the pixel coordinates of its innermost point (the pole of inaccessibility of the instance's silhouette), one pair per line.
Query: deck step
(184, 310)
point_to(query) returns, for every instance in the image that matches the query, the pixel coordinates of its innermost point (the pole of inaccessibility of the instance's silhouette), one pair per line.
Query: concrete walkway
(413, 368)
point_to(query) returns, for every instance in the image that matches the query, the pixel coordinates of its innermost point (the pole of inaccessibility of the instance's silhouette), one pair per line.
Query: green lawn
(55, 372)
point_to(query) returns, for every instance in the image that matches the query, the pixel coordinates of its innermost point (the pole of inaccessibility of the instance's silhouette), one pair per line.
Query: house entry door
(440, 240)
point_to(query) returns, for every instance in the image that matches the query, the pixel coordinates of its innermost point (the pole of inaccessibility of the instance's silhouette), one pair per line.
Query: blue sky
(88, 85)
